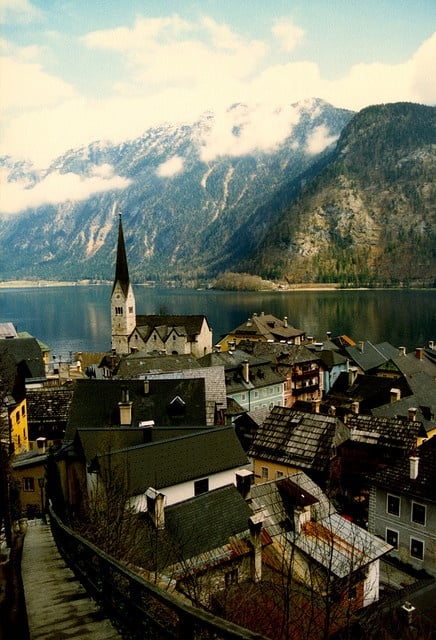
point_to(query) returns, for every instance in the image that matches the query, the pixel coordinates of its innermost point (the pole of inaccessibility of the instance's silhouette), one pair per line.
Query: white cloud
(56, 188)
(288, 34)
(319, 140)
(171, 167)
(173, 71)
(21, 11)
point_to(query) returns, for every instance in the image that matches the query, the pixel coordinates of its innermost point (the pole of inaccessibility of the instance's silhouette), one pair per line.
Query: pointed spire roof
(121, 269)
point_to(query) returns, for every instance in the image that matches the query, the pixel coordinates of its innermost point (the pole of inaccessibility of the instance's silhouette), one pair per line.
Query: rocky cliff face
(369, 216)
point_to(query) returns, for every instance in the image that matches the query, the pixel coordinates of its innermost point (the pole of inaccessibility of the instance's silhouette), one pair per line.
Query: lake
(77, 318)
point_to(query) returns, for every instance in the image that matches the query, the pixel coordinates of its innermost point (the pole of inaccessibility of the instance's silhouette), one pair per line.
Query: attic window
(177, 407)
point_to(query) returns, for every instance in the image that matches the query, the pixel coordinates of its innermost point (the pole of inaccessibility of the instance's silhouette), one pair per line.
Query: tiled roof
(48, 405)
(170, 462)
(369, 390)
(136, 364)
(285, 354)
(385, 432)
(328, 538)
(267, 326)
(298, 439)
(95, 403)
(396, 478)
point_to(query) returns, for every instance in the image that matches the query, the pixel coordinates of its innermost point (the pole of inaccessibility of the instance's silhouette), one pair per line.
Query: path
(57, 604)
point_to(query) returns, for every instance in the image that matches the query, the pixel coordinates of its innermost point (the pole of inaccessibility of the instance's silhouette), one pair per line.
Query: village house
(172, 334)
(262, 328)
(331, 556)
(402, 507)
(290, 440)
(29, 470)
(205, 545)
(251, 382)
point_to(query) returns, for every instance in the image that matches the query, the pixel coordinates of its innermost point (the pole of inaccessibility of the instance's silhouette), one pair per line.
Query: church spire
(121, 269)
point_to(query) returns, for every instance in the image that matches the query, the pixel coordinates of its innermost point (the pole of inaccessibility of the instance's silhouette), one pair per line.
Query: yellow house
(19, 433)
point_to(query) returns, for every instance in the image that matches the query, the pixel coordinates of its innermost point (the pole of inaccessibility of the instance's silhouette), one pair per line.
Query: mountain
(195, 221)
(344, 197)
(369, 216)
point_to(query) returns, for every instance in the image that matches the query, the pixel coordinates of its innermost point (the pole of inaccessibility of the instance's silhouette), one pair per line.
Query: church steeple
(122, 268)
(123, 311)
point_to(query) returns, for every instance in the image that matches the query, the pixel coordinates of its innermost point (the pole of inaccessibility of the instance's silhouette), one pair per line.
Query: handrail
(138, 608)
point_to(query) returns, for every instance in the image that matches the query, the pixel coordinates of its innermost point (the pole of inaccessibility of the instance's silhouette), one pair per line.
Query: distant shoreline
(308, 286)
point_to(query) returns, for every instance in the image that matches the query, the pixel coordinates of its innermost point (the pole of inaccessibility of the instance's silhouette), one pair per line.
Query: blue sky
(74, 71)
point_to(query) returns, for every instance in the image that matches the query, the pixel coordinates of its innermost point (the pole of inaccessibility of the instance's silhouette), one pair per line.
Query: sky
(76, 71)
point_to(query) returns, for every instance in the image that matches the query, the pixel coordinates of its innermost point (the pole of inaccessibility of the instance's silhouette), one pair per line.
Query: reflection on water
(78, 318)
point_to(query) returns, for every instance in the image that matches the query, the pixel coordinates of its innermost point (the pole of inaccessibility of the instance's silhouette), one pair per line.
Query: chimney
(329, 335)
(41, 443)
(147, 429)
(419, 353)
(125, 407)
(352, 375)
(414, 466)
(146, 387)
(401, 351)
(395, 395)
(309, 339)
(431, 345)
(255, 526)
(285, 322)
(355, 407)
(246, 371)
(316, 405)
(332, 410)
(156, 507)
(244, 480)
(411, 414)
(361, 346)
(408, 612)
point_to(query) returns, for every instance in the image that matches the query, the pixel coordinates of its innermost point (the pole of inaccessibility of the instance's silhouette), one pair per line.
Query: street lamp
(41, 482)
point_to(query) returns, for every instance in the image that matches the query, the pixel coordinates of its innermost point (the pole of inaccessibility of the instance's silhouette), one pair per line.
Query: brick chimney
(316, 405)
(156, 507)
(414, 466)
(244, 480)
(125, 407)
(395, 394)
(246, 371)
(419, 353)
(411, 414)
(255, 526)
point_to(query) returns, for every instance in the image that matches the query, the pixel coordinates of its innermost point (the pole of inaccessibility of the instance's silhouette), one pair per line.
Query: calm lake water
(77, 318)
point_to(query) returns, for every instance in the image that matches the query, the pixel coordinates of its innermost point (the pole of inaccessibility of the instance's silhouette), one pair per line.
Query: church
(163, 334)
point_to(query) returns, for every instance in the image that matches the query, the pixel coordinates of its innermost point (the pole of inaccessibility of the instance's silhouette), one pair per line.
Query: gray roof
(285, 354)
(327, 538)
(189, 326)
(268, 327)
(7, 330)
(296, 438)
(28, 357)
(95, 403)
(139, 363)
(385, 432)
(206, 522)
(370, 356)
(48, 405)
(170, 462)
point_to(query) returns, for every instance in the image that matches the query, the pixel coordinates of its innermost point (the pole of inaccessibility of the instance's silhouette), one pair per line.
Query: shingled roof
(170, 462)
(396, 478)
(28, 357)
(393, 433)
(298, 439)
(268, 327)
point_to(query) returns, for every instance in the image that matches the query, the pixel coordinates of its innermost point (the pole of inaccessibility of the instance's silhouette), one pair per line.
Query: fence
(139, 609)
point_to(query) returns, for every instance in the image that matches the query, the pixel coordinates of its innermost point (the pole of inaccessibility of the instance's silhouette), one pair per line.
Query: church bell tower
(123, 311)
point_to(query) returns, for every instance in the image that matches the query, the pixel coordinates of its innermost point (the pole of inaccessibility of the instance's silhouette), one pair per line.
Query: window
(23, 411)
(17, 417)
(416, 549)
(201, 486)
(393, 505)
(130, 309)
(28, 484)
(118, 311)
(418, 513)
(279, 474)
(392, 538)
(264, 473)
